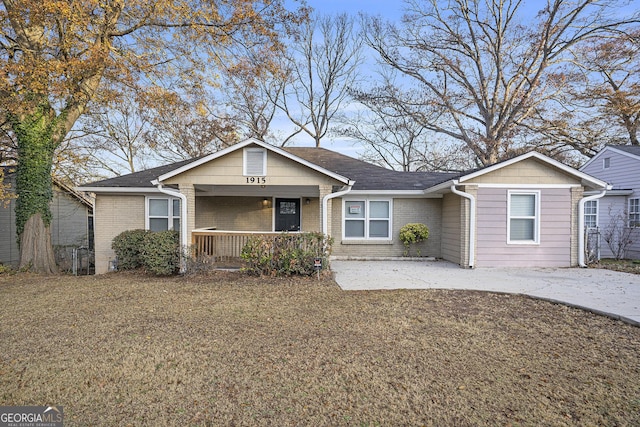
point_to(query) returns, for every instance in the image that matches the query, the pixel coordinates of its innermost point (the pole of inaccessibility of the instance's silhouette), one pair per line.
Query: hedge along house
(522, 212)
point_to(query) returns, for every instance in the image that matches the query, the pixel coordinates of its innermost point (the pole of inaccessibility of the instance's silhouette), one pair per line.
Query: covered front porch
(226, 217)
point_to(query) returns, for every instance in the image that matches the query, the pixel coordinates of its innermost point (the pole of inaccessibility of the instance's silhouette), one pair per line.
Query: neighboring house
(71, 223)
(619, 209)
(521, 212)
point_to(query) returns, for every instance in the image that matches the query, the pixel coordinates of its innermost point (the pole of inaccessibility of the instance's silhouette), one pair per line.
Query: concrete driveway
(606, 292)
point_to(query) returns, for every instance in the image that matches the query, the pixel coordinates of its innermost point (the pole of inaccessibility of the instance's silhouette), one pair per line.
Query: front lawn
(227, 349)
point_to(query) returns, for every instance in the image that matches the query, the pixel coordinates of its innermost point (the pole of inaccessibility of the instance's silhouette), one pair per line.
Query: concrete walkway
(601, 291)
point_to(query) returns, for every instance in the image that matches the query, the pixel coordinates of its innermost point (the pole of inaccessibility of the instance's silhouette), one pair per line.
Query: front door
(287, 215)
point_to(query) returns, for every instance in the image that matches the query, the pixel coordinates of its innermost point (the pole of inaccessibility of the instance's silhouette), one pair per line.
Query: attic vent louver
(255, 162)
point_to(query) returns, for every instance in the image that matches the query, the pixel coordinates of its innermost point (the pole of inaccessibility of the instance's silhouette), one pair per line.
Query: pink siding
(554, 249)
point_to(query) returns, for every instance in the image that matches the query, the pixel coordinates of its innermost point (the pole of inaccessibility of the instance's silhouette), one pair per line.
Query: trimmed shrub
(411, 234)
(286, 254)
(160, 252)
(127, 246)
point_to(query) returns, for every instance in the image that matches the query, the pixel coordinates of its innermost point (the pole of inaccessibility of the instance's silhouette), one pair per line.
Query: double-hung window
(634, 212)
(163, 214)
(524, 217)
(367, 219)
(591, 214)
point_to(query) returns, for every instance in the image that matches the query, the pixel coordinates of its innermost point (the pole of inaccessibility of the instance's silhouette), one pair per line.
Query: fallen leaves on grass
(226, 349)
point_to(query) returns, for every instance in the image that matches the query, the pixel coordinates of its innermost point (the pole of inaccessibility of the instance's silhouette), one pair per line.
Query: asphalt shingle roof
(631, 149)
(366, 175)
(140, 179)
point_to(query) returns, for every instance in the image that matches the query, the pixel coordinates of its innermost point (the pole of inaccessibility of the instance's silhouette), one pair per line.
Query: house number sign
(256, 180)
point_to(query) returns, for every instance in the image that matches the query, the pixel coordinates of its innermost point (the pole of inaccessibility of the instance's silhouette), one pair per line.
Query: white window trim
(635, 224)
(366, 220)
(536, 219)
(597, 202)
(606, 163)
(264, 161)
(170, 218)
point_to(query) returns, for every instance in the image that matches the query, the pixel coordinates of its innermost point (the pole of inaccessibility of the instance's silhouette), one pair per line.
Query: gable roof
(585, 179)
(364, 176)
(251, 141)
(629, 149)
(632, 151)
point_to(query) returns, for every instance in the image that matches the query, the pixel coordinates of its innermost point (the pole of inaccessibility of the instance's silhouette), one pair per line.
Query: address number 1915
(256, 180)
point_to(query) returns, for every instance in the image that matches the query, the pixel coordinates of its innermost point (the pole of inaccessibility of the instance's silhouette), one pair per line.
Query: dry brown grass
(125, 349)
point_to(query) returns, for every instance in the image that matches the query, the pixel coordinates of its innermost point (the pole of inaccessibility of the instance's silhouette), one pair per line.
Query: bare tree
(483, 67)
(322, 64)
(109, 142)
(393, 137)
(618, 234)
(252, 93)
(602, 105)
(183, 128)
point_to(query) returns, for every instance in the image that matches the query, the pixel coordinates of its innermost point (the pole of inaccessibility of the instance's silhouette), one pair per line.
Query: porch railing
(222, 244)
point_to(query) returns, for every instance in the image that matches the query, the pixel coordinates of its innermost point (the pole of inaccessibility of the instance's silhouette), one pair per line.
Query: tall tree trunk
(36, 251)
(36, 146)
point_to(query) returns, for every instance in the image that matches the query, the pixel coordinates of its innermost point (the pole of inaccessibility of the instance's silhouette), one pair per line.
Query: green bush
(160, 252)
(411, 234)
(156, 252)
(286, 254)
(128, 246)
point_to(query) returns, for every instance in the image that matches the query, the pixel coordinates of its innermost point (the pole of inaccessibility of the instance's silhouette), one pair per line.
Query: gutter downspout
(183, 220)
(581, 241)
(472, 220)
(325, 200)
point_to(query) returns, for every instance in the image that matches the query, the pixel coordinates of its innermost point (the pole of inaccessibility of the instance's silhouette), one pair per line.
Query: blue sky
(391, 9)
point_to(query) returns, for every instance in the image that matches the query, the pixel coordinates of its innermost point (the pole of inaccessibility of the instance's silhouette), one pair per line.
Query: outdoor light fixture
(307, 202)
(265, 202)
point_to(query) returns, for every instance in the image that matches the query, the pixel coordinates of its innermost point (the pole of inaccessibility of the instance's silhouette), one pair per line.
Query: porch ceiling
(258, 190)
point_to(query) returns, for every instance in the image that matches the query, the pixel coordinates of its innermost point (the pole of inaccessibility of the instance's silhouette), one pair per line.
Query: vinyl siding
(623, 174)
(554, 248)
(69, 225)
(228, 170)
(452, 224)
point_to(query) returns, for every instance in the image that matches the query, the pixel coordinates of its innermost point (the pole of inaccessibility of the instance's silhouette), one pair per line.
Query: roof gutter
(184, 243)
(581, 236)
(325, 201)
(472, 220)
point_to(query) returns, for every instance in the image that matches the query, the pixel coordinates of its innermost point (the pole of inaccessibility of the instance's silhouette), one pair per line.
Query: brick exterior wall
(112, 216)
(426, 211)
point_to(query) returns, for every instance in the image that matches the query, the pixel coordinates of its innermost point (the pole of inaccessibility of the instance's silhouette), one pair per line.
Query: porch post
(325, 190)
(189, 191)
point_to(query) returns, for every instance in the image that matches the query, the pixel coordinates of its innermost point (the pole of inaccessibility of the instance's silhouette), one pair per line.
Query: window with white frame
(163, 214)
(606, 163)
(367, 219)
(255, 162)
(524, 218)
(634, 212)
(591, 214)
